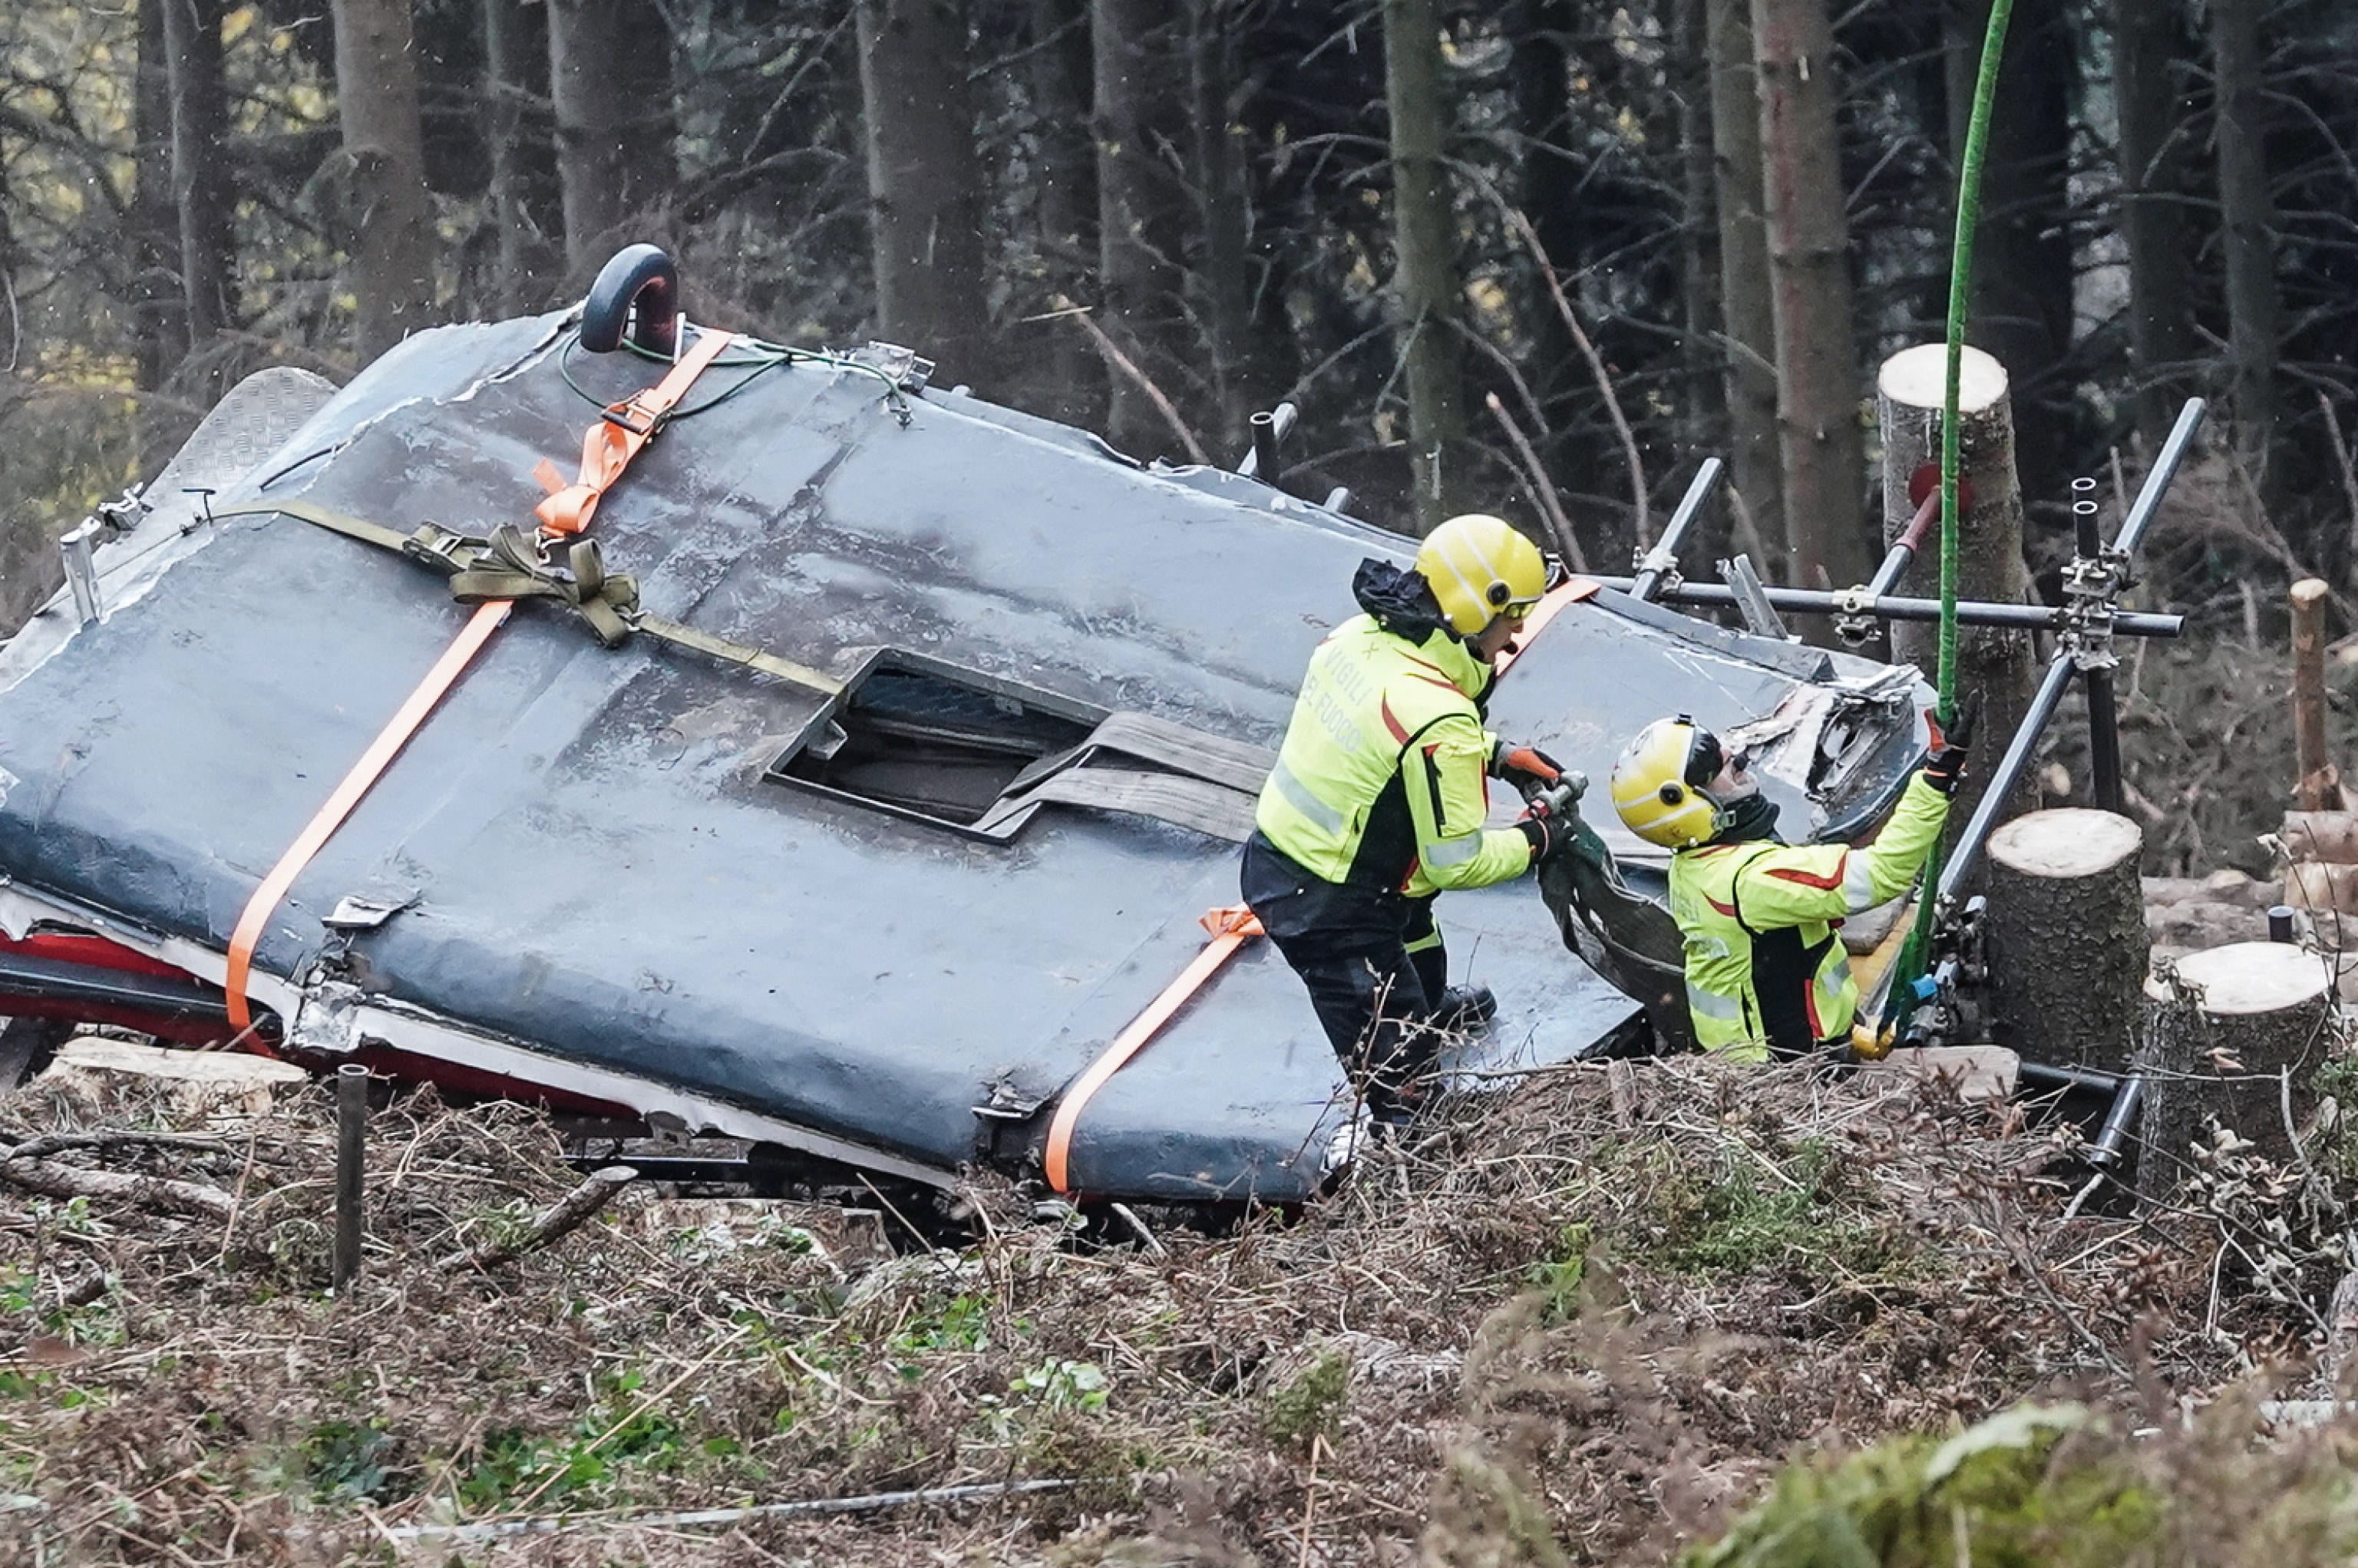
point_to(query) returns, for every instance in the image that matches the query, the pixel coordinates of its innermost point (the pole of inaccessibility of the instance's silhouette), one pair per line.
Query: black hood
(1750, 819)
(1400, 601)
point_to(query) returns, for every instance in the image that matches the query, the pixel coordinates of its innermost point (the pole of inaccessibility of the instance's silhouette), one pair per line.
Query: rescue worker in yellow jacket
(1766, 970)
(1379, 801)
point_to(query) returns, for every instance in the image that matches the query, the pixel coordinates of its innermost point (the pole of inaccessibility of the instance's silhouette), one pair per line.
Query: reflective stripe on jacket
(1380, 782)
(1765, 965)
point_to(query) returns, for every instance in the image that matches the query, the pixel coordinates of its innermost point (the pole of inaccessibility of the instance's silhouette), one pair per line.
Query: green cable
(1902, 999)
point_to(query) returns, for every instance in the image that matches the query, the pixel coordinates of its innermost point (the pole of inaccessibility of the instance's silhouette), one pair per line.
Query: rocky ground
(1590, 1322)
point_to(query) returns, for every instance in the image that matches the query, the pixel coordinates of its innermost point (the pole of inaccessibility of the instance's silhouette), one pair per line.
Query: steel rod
(1902, 553)
(351, 1142)
(1664, 556)
(2147, 505)
(2126, 1099)
(2053, 1078)
(1264, 449)
(1817, 601)
(2105, 743)
(2008, 772)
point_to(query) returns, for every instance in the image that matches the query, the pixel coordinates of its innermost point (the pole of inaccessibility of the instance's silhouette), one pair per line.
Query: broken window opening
(916, 738)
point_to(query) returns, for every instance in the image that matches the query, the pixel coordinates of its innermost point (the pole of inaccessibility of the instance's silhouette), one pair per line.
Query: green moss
(1750, 1216)
(1310, 1407)
(2008, 1493)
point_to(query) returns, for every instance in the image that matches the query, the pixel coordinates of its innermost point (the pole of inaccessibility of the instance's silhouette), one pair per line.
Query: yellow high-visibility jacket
(1381, 780)
(1765, 965)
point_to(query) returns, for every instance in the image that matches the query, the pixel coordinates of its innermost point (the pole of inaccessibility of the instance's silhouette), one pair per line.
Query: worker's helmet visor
(1518, 610)
(1709, 760)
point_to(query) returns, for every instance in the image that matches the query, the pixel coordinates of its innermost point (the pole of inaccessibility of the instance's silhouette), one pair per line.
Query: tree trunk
(2248, 221)
(2003, 665)
(525, 204)
(2023, 274)
(1809, 266)
(1426, 292)
(159, 315)
(924, 182)
(2067, 937)
(610, 80)
(1699, 264)
(2234, 1033)
(200, 184)
(1140, 123)
(2316, 784)
(1067, 190)
(1224, 281)
(2153, 218)
(392, 220)
(1541, 83)
(1757, 467)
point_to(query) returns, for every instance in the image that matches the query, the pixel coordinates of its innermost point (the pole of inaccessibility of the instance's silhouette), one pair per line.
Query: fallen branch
(874, 1502)
(1542, 490)
(1122, 363)
(49, 1143)
(563, 1217)
(52, 1179)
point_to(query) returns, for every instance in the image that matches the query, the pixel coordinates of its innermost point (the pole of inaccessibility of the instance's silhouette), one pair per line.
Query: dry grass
(1580, 1324)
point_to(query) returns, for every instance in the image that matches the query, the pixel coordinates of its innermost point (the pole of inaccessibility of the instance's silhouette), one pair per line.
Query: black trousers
(1372, 962)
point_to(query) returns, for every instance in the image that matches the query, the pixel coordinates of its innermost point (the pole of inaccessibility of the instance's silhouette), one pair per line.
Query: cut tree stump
(2002, 666)
(2234, 1035)
(2067, 937)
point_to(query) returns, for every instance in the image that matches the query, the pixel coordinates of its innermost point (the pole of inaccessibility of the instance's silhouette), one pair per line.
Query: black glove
(1546, 836)
(1945, 767)
(1526, 767)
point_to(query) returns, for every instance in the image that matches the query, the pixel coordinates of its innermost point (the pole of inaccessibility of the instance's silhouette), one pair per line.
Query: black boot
(1464, 1009)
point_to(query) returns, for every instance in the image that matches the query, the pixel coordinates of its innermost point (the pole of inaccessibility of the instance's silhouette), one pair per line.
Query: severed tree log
(2233, 1035)
(2328, 836)
(2067, 937)
(561, 1218)
(53, 1180)
(2000, 664)
(2316, 785)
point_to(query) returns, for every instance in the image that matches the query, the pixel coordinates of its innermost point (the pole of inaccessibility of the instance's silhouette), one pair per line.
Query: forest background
(1637, 233)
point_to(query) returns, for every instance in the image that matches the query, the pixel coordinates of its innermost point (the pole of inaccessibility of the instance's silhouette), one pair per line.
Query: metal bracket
(1853, 624)
(2092, 587)
(1752, 604)
(124, 511)
(81, 570)
(908, 369)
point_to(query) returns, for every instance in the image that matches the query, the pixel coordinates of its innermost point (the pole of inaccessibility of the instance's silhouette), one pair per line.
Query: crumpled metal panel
(586, 856)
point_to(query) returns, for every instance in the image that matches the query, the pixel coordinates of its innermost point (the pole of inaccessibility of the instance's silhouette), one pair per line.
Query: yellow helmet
(1479, 567)
(1658, 783)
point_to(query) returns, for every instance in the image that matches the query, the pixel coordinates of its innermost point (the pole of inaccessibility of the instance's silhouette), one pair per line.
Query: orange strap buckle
(621, 432)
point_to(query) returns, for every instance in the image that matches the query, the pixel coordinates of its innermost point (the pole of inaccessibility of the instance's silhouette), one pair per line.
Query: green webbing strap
(508, 566)
(1961, 274)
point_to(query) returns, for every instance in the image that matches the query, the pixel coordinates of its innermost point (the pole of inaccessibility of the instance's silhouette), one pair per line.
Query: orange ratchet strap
(1231, 928)
(374, 761)
(618, 437)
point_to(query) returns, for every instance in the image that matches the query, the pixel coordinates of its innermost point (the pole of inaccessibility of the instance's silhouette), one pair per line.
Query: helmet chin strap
(1751, 814)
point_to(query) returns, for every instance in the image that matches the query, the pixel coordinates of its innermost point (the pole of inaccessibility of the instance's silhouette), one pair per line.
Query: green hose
(1902, 995)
